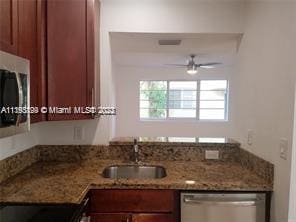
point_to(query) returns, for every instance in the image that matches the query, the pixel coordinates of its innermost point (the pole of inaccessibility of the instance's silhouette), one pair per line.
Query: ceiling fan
(192, 66)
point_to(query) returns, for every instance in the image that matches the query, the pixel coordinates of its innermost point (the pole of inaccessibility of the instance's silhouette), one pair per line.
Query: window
(202, 100)
(213, 99)
(153, 99)
(182, 99)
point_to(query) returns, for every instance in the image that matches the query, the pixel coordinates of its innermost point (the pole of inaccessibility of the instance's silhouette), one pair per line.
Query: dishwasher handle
(218, 201)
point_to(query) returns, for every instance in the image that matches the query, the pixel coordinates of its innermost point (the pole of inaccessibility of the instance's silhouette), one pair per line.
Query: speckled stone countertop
(61, 182)
(179, 141)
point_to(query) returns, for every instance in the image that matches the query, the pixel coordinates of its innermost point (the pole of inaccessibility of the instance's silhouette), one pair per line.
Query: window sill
(187, 120)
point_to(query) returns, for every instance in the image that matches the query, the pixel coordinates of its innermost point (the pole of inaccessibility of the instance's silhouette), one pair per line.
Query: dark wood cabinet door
(111, 217)
(70, 59)
(152, 218)
(141, 205)
(160, 201)
(8, 26)
(22, 31)
(29, 47)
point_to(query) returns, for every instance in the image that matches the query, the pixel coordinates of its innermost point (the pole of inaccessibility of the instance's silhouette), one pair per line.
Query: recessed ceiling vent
(169, 42)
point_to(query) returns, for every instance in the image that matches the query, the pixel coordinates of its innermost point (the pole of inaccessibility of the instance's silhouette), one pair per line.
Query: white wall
(154, 16)
(292, 202)
(172, 16)
(14, 144)
(292, 207)
(164, 16)
(128, 122)
(132, 16)
(265, 90)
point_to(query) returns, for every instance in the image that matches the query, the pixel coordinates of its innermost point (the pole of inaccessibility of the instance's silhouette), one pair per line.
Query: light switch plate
(283, 148)
(212, 154)
(78, 133)
(250, 137)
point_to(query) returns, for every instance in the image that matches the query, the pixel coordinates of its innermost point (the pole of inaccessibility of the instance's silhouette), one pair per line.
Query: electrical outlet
(212, 154)
(283, 148)
(250, 137)
(78, 133)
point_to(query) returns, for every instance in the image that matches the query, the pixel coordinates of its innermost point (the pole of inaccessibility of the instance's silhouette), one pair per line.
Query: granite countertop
(64, 182)
(188, 141)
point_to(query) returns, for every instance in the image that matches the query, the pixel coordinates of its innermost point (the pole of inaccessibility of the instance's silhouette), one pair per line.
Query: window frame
(186, 119)
(226, 102)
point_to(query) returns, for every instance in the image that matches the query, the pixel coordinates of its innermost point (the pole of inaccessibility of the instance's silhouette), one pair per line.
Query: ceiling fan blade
(208, 65)
(176, 65)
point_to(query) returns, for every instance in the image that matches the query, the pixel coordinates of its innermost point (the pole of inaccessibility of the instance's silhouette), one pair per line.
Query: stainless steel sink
(134, 172)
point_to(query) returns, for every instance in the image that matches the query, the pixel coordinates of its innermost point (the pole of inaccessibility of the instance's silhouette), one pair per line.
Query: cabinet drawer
(132, 200)
(109, 217)
(153, 218)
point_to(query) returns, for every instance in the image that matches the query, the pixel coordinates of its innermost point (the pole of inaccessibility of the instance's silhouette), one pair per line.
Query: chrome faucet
(136, 152)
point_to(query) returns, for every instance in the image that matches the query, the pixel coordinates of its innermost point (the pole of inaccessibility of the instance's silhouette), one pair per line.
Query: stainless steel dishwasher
(222, 207)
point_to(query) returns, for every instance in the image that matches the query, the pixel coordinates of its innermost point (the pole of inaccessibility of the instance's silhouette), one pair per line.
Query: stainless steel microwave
(14, 95)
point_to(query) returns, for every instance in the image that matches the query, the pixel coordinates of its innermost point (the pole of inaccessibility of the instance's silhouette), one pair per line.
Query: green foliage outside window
(155, 92)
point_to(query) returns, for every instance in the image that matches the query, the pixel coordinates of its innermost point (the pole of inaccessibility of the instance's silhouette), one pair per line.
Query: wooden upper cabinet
(27, 44)
(22, 31)
(70, 55)
(31, 36)
(8, 26)
(57, 37)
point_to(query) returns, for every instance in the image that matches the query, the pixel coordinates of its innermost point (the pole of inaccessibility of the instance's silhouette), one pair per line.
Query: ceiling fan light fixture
(193, 67)
(192, 70)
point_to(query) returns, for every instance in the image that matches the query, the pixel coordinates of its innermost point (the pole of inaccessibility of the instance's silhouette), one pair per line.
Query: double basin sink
(134, 172)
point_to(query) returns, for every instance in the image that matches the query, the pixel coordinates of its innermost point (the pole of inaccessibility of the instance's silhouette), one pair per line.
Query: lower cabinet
(152, 218)
(121, 217)
(134, 206)
(110, 217)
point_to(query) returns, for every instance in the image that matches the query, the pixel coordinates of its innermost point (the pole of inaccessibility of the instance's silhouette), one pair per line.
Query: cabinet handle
(94, 115)
(92, 96)
(127, 219)
(210, 201)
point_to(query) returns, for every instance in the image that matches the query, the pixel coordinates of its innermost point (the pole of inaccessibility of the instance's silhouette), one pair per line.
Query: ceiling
(143, 50)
